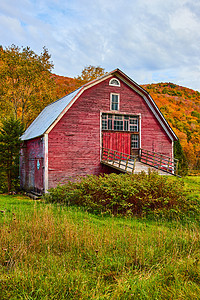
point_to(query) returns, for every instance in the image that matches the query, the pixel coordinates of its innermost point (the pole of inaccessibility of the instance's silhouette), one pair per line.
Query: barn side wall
(74, 143)
(32, 165)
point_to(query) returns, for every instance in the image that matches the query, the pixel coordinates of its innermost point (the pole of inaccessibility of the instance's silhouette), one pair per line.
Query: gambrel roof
(52, 113)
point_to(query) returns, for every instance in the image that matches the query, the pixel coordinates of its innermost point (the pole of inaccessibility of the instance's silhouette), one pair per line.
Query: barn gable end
(74, 136)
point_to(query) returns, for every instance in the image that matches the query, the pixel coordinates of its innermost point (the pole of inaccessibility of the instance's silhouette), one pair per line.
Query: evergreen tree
(10, 142)
(180, 155)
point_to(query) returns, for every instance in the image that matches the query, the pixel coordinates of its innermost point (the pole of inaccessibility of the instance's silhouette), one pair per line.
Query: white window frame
(114, 94)
(114, 84)
(135, 142)
(117, 118)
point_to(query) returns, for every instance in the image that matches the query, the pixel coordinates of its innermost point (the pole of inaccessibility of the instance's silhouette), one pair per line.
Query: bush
(138, 194)
(180, 155)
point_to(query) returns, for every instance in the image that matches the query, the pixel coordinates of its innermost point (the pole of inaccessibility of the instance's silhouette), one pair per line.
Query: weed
(139, 194)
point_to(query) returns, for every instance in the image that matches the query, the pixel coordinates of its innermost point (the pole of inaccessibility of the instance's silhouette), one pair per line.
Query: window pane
(134, 124)
(133, 128)
(104, 124)
(114, 106)
(126, 125)
(133, 121)
(115, 98)
(109, 124)
(135, 141)
(118, 125)
(115, 102)
(118, 117)
(114, 82)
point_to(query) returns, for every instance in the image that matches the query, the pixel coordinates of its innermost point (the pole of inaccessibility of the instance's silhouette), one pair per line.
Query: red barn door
(39, 174)
(119, 141)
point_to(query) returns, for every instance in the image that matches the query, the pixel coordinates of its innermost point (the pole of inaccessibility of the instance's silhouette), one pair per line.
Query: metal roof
(49, 114)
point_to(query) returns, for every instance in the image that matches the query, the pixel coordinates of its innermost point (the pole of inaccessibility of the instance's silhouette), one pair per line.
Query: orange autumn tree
(89, 73)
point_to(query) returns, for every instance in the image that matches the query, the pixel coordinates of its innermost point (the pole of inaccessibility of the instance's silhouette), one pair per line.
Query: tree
(26, 84)
(180, 155)
(89, 73)
(10, 142)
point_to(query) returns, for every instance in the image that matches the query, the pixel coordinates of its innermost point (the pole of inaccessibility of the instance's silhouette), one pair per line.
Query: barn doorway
(39, 169)
(120, 132)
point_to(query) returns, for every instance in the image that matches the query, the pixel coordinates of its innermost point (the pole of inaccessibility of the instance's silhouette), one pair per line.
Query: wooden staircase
(146, 160)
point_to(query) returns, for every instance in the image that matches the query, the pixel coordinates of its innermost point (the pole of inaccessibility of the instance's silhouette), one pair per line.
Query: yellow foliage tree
(26, 86)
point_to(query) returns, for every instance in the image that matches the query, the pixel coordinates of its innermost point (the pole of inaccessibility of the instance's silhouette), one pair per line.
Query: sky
(149, 40)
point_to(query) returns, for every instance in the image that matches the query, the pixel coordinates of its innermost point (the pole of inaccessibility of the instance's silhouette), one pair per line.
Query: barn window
(114, 82)
(120, 122)
(114, 101)
(110, 122)
(133, 124)
(134, 141)
(104, 122)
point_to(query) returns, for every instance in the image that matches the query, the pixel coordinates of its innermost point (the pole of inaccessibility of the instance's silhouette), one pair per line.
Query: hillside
(64, 85)
(179, 105)
(181, 108)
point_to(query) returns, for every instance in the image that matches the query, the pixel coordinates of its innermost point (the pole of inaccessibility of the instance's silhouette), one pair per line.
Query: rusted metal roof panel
(47, 117)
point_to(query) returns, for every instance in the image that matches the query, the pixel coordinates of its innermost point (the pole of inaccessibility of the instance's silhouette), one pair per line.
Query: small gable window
(114, 101)
(114, 82)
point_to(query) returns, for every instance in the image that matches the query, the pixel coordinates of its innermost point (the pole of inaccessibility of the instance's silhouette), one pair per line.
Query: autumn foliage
(181, 108)
(26, 84)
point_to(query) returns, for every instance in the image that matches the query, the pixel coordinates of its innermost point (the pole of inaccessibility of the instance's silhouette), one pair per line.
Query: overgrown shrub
(137, 194)
(182, 161)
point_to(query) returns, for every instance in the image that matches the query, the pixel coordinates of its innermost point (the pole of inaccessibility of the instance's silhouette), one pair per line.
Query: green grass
(192, 186)
(50, 251)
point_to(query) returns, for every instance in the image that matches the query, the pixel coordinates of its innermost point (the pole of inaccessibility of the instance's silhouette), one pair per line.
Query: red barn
(69, 137)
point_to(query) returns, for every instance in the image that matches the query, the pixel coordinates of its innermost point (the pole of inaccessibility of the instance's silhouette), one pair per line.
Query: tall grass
(53, 252)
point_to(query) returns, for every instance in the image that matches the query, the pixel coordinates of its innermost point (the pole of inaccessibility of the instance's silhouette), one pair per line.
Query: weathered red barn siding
(75, 141)
(32, 165)
(153, 137)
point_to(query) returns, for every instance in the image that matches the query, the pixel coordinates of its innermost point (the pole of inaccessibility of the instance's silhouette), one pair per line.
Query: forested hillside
(64, 85)
(181, 108)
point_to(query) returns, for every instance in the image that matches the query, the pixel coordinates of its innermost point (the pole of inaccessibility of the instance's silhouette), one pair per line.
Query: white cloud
(149, 40)
(11, 26)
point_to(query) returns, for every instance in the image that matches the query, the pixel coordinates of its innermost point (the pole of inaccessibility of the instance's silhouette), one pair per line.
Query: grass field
(54, 252)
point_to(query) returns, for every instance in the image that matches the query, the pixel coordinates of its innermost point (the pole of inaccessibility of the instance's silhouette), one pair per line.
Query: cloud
(13, 27)
(151, 41)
